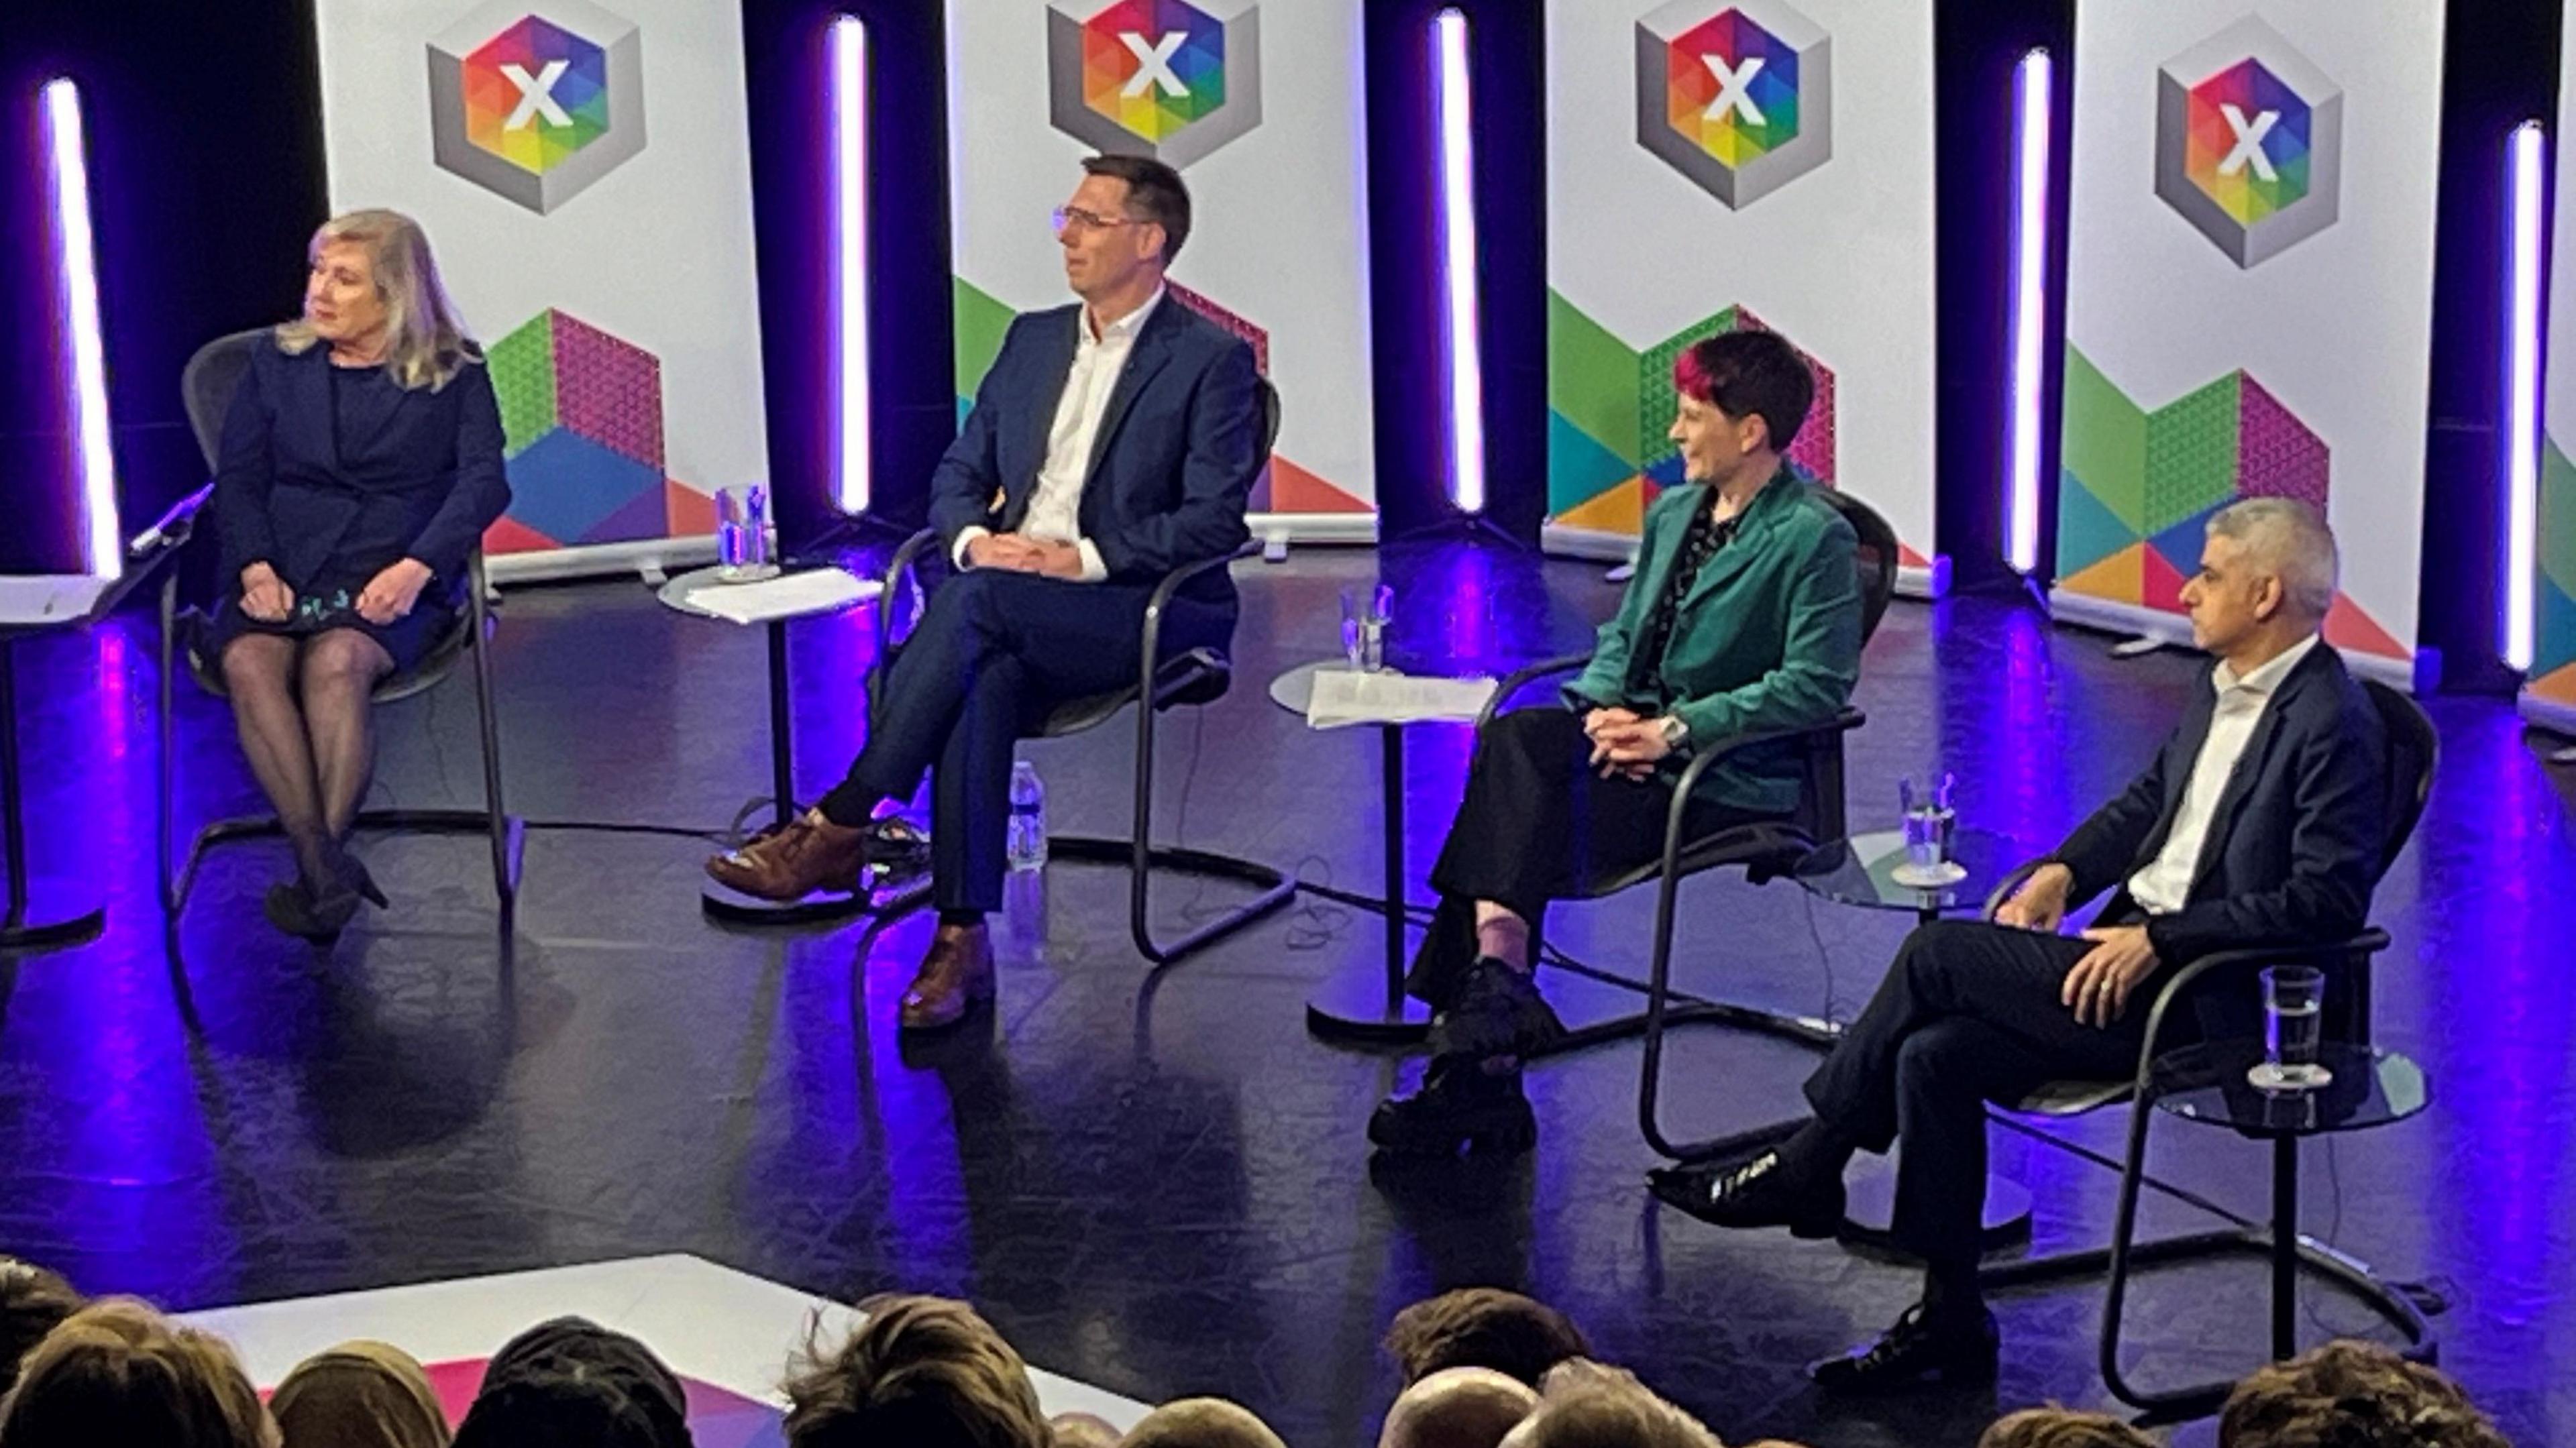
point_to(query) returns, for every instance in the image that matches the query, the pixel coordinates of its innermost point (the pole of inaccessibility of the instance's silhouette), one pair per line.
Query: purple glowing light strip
(85, 361)
(2031, 96)
(1461, 340)
(849, 103)
(2527, 150)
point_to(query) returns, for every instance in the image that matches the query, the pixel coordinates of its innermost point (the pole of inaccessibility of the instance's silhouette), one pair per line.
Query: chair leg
(166, 784)
(498, 825)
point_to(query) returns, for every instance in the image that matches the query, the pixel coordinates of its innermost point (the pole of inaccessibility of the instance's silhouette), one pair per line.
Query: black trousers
(1969, 1013)
(993, 652)
(1539, 823)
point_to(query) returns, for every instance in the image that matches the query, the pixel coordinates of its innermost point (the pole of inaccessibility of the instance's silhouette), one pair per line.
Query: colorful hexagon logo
(1738, 97)
(536, 104)
(1162, 78)
(2249, 142)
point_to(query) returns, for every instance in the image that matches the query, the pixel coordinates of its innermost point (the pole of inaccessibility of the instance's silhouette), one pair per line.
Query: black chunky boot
(1461, 1109)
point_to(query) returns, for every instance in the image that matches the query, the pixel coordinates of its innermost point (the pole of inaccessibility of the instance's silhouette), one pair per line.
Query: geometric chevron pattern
(581, 425)
(2136, 488)
(1610, 406)
(2553, 657)
(981, 320)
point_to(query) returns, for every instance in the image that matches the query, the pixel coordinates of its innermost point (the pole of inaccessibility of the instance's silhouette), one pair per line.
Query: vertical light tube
(1461, 335)
(2526, 153)
(2031, 112)
(84, 354)
(849, 107)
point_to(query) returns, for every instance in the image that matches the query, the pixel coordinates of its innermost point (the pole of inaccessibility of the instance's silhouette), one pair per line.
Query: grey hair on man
(2289, 540)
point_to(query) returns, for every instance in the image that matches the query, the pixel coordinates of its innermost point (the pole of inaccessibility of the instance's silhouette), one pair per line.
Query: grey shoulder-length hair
(425, 341)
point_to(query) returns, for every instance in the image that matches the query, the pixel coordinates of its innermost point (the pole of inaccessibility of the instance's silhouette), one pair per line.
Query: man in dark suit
(2259, 822)
(1113, 441)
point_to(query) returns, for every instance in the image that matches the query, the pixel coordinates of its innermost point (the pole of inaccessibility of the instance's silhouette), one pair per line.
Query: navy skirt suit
(332, 474)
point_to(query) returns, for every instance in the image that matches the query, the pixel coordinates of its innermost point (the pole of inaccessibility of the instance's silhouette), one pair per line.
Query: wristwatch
(1673, 730)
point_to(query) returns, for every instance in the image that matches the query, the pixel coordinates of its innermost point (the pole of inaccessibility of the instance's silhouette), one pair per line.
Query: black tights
(304, 710)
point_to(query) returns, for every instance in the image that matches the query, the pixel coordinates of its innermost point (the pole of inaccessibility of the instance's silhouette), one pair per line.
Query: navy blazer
(424, 486)
(1171, 469)
(2293, 850)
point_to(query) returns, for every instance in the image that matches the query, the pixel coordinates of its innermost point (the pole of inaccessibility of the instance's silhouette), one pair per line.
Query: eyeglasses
(1069, 217)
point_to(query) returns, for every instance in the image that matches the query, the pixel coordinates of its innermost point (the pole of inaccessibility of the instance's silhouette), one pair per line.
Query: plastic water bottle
(1028, 836)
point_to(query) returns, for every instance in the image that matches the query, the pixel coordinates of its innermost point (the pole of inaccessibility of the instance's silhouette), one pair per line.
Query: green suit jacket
(1768, 636)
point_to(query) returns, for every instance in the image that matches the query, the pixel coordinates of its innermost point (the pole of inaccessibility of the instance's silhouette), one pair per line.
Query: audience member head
(118, 1372)
(1482, 1327)
(1081, 1430)
(2267, 573)
(2352, 1395)
(570, 1383)
(1458, 1408)
(358, 1395)
(1586, 1405)
(372, 293)
(1201, 1423)
(2052, 1427)
(1123, 226)
(1743, 397)
(920, 1372)
(33, 1302)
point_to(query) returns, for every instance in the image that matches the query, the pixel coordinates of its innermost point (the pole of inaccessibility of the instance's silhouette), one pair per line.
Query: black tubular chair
(1197, 677)
(1767, 850)
(207, 385)
(2413, 750)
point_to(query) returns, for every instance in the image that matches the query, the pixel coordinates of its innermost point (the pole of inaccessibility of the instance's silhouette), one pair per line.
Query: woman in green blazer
(1744, 614)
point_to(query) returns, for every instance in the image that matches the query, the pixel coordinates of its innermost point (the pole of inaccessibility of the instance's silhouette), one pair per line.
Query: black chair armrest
(1522, 678)
(172, 529)
(2369, 942)
(1152, 641)
(2005, 887)
(906, 558)
(1703, 757)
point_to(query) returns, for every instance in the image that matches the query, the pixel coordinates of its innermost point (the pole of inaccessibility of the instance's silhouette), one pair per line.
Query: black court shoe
(1460, 1109)
(1755, 1193)
(1956, 1351)
(294, 907)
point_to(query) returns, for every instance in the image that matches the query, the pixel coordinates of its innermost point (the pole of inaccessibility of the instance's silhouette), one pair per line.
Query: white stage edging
(711, 1323)
(2173, 628)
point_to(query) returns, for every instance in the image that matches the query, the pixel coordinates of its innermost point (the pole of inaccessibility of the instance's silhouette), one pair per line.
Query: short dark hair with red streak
(1749, 373)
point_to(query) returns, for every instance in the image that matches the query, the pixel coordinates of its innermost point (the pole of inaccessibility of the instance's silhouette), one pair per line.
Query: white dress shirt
(1055, 508)
(2164, 885)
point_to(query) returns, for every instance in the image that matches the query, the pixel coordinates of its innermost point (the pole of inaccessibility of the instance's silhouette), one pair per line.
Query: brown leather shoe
(955, 978)
(811, 853)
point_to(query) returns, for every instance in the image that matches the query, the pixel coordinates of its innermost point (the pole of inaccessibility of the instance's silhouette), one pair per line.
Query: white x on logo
(1732, 94)
(2248, 150)
(537, 95)
(1154, 64)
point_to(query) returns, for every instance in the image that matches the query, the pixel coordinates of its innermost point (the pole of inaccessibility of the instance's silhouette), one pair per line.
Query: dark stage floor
(1158, 1185)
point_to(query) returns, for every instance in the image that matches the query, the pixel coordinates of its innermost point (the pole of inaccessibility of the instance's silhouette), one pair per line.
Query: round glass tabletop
(677, 593)
(2207, 1083)
(1862, 871)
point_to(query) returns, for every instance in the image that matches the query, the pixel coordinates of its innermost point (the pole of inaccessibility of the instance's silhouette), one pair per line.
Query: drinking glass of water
(1931, 821)
(1364, 626)
(742, 534)
(2293, 1030)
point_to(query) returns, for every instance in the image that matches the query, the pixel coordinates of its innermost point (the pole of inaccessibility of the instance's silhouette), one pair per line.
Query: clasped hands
(1625, 742)
(2097, 988)
(390, 595)
(1019, 554)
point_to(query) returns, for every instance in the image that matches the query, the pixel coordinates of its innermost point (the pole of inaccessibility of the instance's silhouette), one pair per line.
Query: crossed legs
(307, 726)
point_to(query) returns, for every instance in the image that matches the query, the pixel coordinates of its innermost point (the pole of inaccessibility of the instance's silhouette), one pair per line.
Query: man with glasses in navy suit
(1113, 441)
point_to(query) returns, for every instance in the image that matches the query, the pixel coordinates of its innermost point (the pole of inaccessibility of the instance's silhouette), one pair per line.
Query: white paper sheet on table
(1350, 696)
(45, 598)
(789, 595)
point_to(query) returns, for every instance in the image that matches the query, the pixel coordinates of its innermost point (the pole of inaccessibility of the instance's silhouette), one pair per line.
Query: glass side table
(1861, 871)
(2206, 1083)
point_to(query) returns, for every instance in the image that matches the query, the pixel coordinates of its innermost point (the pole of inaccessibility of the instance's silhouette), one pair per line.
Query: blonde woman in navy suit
(361, 461)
